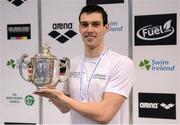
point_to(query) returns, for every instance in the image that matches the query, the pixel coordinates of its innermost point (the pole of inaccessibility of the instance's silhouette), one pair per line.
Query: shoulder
(75, 61)
(118, 59)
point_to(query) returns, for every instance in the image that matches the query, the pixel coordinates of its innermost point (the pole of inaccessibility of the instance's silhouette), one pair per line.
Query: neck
(93, 52)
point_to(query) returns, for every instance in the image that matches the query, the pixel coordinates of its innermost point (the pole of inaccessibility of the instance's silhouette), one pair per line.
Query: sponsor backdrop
(19, 35)
(156, 54)
(59, 27)
(61, 31)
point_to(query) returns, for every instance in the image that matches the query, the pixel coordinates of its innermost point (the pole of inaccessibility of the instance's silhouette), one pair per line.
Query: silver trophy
(44, 69)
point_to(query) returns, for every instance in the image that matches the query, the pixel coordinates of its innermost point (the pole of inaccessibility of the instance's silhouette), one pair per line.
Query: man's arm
(101, 112)
(59, 104)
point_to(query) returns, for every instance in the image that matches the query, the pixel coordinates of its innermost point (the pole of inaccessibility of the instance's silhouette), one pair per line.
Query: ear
(106, 28)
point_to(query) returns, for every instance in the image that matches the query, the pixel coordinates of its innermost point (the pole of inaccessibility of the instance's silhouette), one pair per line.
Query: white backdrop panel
(64, 12)
(1, 106)
(15, 91)
(67, 11)
(117, 39)
(156, 81)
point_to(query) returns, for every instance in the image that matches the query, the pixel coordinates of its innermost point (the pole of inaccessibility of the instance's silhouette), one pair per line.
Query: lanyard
(91, 76)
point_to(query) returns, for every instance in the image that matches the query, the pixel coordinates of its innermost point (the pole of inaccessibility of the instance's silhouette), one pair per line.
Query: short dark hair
(95, 8)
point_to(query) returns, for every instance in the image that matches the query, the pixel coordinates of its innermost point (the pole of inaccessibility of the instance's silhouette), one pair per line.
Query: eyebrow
(90, 22)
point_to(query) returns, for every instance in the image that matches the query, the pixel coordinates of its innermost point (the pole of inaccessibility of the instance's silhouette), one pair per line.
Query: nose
(89, 28)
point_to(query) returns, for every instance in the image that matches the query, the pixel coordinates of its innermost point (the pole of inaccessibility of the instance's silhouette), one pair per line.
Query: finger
(46, 93)
(42, 94)
(50, 86)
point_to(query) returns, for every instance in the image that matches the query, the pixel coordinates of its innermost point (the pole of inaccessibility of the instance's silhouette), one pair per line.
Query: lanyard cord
(91, 76)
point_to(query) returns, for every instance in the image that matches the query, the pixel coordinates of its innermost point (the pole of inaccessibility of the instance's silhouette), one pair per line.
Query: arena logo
(157, 105)
(19, 31)
(62, 37)
(155, 29)
(167, 106)
(115, 26)
(156, 65)
(17, 2)
(150, 105)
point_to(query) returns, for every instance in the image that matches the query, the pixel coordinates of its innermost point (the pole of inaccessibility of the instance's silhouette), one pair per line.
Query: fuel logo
(156, 29)
(156, 32)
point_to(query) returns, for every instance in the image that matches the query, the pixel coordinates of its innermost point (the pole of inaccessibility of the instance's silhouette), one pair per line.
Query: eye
(96, 24)
(84, 24)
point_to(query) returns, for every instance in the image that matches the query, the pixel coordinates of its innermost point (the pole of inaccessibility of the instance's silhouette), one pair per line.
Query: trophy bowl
(45, 69)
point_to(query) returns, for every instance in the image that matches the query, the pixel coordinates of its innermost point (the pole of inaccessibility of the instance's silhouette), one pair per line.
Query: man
(99, 81)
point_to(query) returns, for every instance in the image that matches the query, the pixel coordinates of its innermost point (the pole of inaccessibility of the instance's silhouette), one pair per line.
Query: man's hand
(55, 96)
(48, 92)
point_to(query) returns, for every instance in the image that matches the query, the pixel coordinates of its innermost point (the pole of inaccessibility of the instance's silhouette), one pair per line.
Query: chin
(91, 46)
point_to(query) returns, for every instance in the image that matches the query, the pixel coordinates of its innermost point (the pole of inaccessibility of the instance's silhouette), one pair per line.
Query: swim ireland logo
(14, 64)
(156, 65)
(145, 64)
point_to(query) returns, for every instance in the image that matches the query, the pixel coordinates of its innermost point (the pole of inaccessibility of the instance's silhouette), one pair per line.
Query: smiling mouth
(90, 37)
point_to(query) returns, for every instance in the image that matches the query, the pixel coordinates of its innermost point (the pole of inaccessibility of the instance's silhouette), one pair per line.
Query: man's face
(92, 29)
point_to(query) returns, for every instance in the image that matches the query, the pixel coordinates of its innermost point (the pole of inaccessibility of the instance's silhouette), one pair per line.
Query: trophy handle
(64, 63)
(23, 61)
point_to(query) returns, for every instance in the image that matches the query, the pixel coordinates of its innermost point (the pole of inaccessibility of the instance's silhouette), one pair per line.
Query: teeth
(90, 37)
